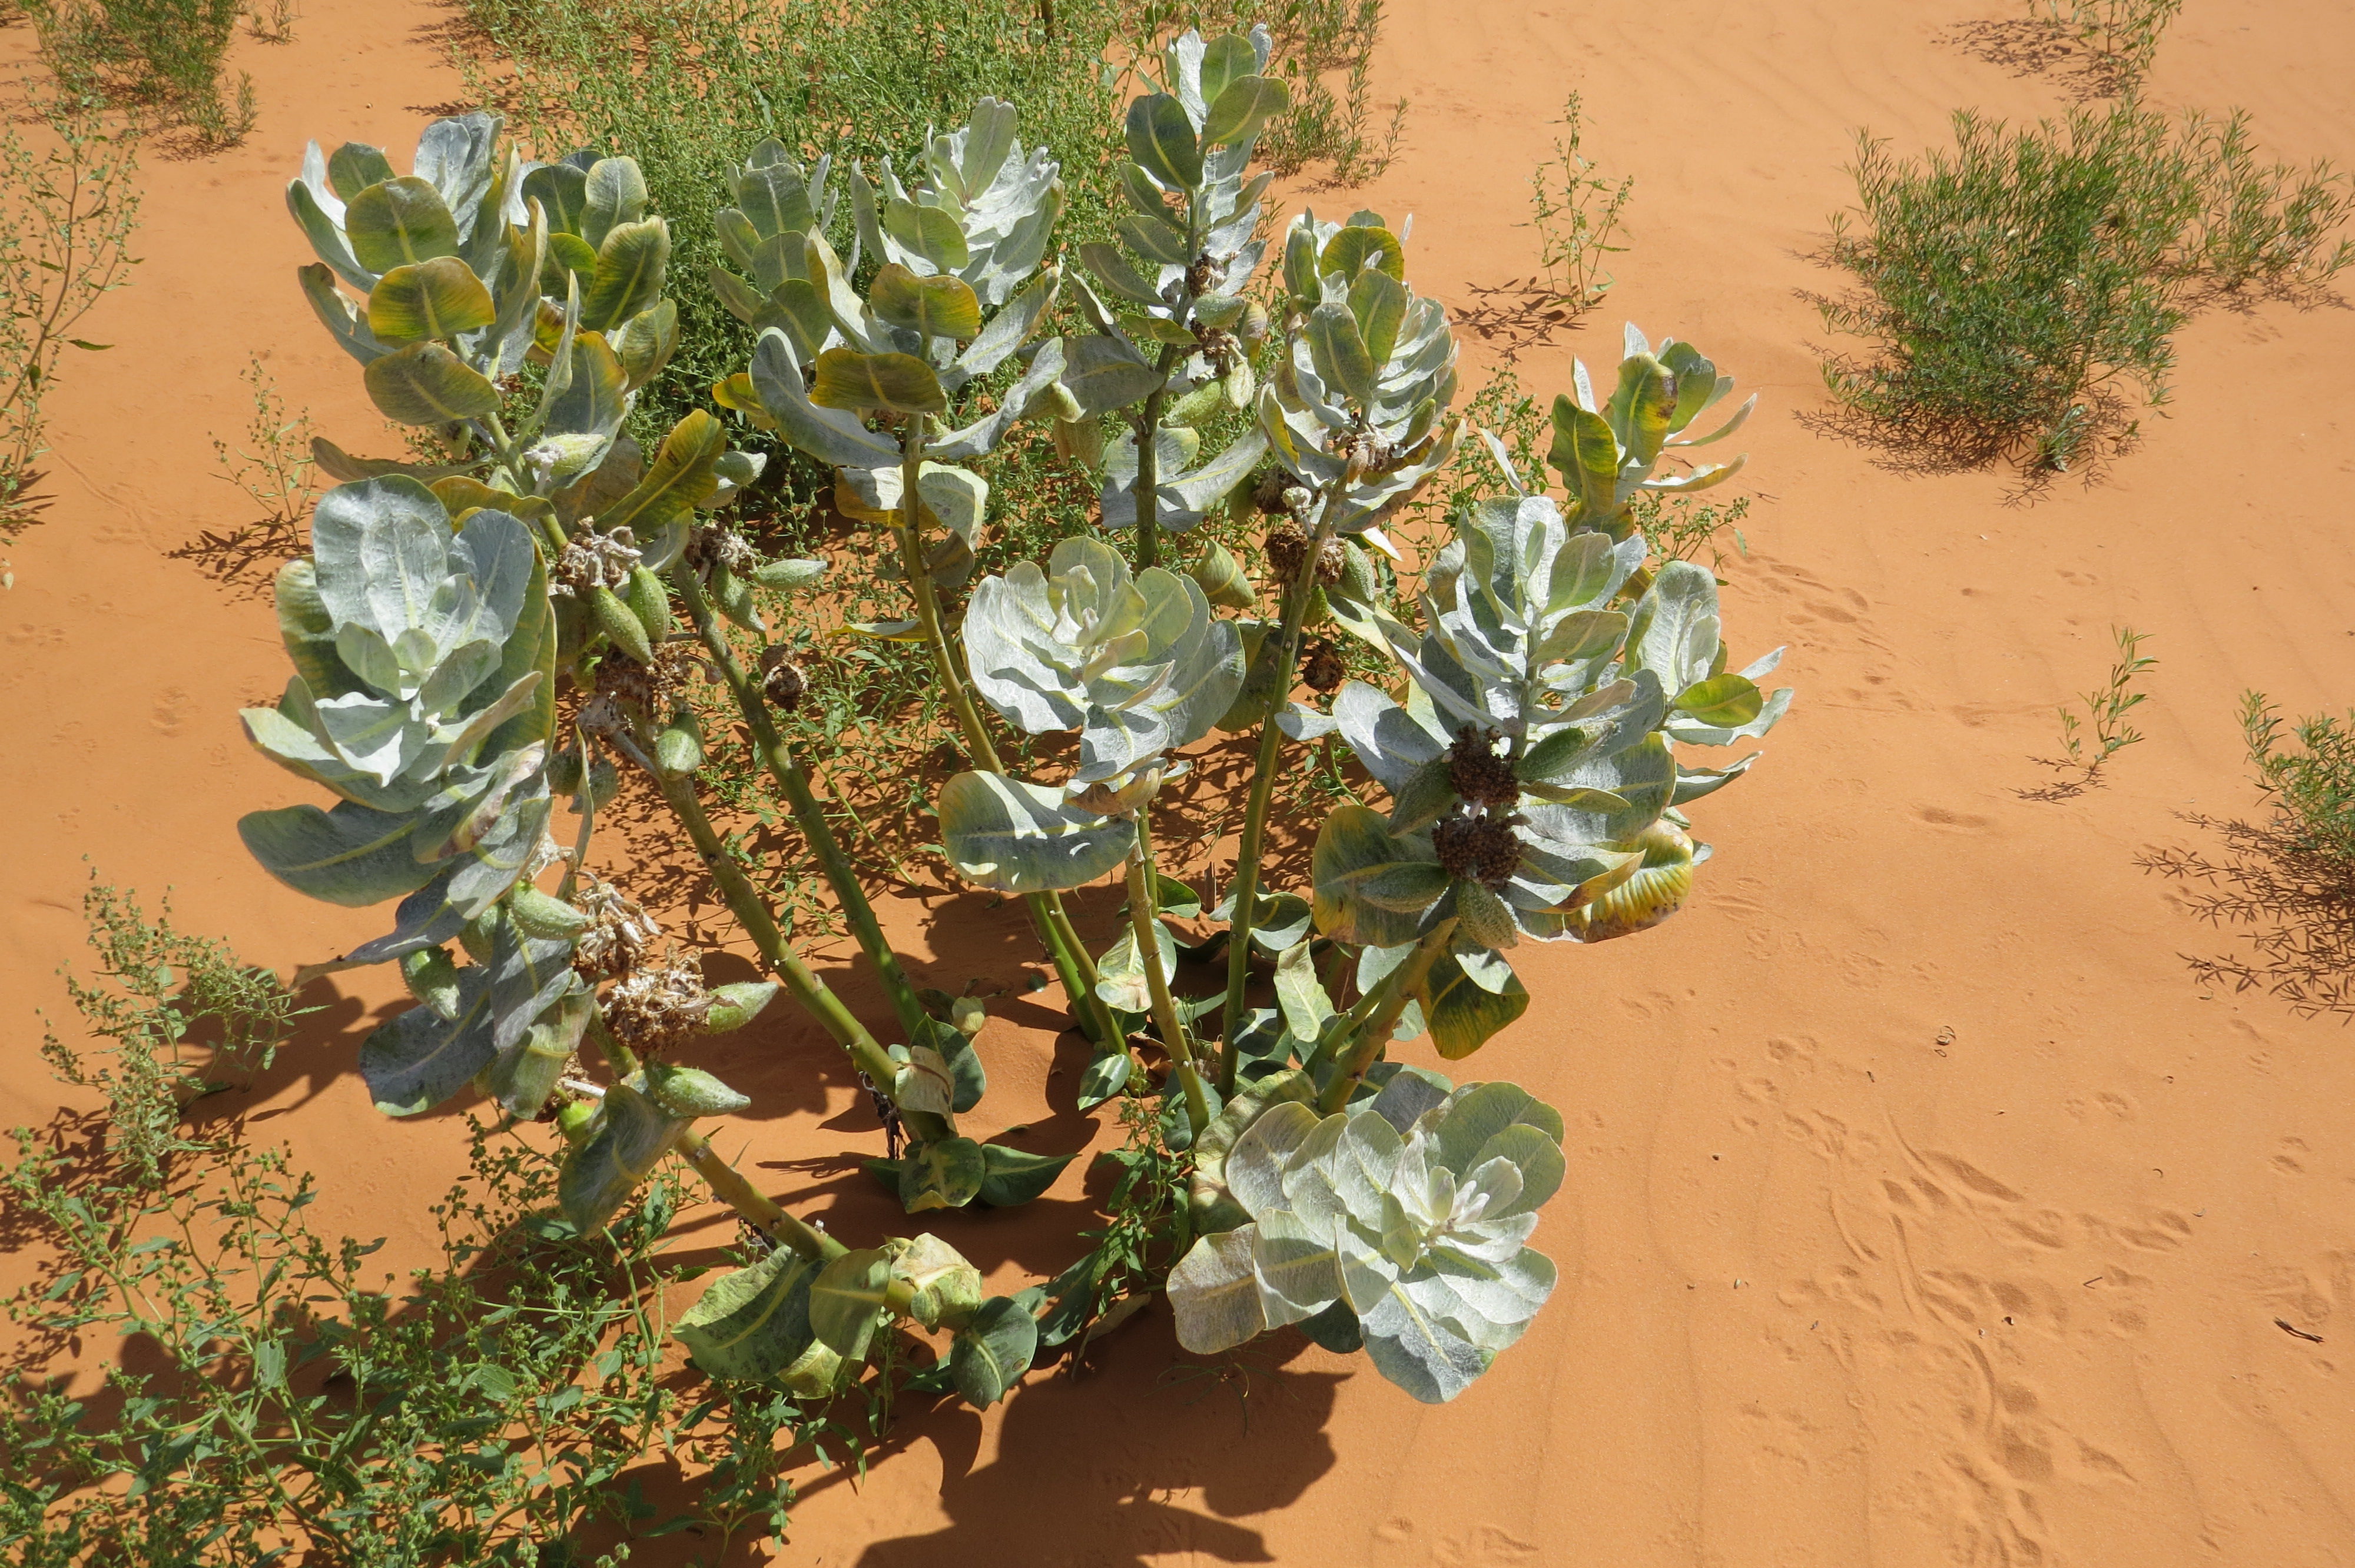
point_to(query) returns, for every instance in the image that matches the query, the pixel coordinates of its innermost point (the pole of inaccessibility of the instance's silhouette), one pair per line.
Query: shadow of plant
(2292, 906)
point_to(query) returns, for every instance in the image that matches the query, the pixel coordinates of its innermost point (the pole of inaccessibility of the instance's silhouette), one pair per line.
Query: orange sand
(1834, 1293)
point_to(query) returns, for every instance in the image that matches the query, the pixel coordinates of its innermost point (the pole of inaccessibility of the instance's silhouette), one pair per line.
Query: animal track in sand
(1940, 817)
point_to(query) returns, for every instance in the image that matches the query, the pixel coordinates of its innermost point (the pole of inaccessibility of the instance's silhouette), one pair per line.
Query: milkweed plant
(487, 632)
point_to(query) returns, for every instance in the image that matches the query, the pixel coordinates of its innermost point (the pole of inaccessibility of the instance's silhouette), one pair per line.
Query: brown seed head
(784, 683)
(1478, 773)
(1267, 494)
(1482, 849)
(1322, 670)
(1286, 547)
(654, 1010)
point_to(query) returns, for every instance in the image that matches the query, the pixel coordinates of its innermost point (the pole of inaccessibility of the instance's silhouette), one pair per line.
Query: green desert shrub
(2017, 290)
(161, 59)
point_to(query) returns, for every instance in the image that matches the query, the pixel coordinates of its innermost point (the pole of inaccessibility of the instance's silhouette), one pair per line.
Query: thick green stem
(728, 1183)
(751, 911)
(1296, 596)
(1144, 926)
(787, 770)
(1148, 465)
(1369, 1023)
(1063, 947)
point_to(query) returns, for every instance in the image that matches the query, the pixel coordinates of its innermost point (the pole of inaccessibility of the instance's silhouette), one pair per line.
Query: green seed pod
(1222, 579)
(604, 783)
(679, 749)
(1484, 916)
(433, 980)
(733, 596)
(538, 914)
(789, 573)
(475, 934)
(692, 1092)
(573, 1121)
(649, 599)
(620, 624)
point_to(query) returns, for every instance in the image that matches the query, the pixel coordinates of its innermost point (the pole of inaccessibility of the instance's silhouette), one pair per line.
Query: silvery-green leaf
(847, 1299)
(349, 856)
(1214, 1293)
(1019, 838)
(422, 1058)
(990, 1354)
(833, 436)
(633, 1135)
(754, 1322)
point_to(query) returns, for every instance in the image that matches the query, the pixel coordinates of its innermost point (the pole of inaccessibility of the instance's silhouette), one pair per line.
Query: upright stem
(786, 769)
(1377, 1013)
(751, 911)
(1148, 465)
(728, 1183)
(1143, 923)
(1072, 966)
(1247, 854)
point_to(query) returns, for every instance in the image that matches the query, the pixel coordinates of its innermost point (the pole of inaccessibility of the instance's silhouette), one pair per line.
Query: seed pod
(1220, 577)
(733, 596)
(1323, 671)
(649, 599)
(573, 1120)
(604, 782)
(679, 749)
(433, 980)
(1484, 918)
(474, 936)
(538, 914)
(620, 624)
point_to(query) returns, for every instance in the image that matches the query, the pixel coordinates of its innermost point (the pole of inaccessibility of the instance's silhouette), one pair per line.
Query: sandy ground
(1923, 1208)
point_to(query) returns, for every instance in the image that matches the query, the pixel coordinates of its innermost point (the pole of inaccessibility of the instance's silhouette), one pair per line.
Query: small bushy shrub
(2015, 289)
(67, 215)
(161, 59)
(2312, 782)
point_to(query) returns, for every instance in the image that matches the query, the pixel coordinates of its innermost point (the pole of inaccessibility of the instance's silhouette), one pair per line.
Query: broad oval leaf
(897, 382)
(991, 1352)
(1161, 139)
(1019, 837)
(425, 384)
(937, 306)
(428, 301)
(398, 222)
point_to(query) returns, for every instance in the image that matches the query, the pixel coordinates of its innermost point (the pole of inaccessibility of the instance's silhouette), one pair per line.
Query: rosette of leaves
(456, 265)
(1532, 770)
(1175, 342)
(1400, 1224)
(778, 206)
(960, 291)
(1356, 411)
(422, 696)
(1137, 663)
(808, 1323)
(1608, 452)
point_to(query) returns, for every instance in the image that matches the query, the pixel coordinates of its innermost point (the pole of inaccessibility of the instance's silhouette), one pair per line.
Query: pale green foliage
(1545, 637)
(1179, 327)
(947, 305)
(1362, 395)
(1138, 666)
(1410, 1212)
(451, 262)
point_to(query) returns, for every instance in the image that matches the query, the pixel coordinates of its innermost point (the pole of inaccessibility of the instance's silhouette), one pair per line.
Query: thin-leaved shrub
(2018, 289)
(68, 210)
(161, 59)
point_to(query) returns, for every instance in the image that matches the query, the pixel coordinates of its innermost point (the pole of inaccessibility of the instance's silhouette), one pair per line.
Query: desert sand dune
(1923, 1209)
